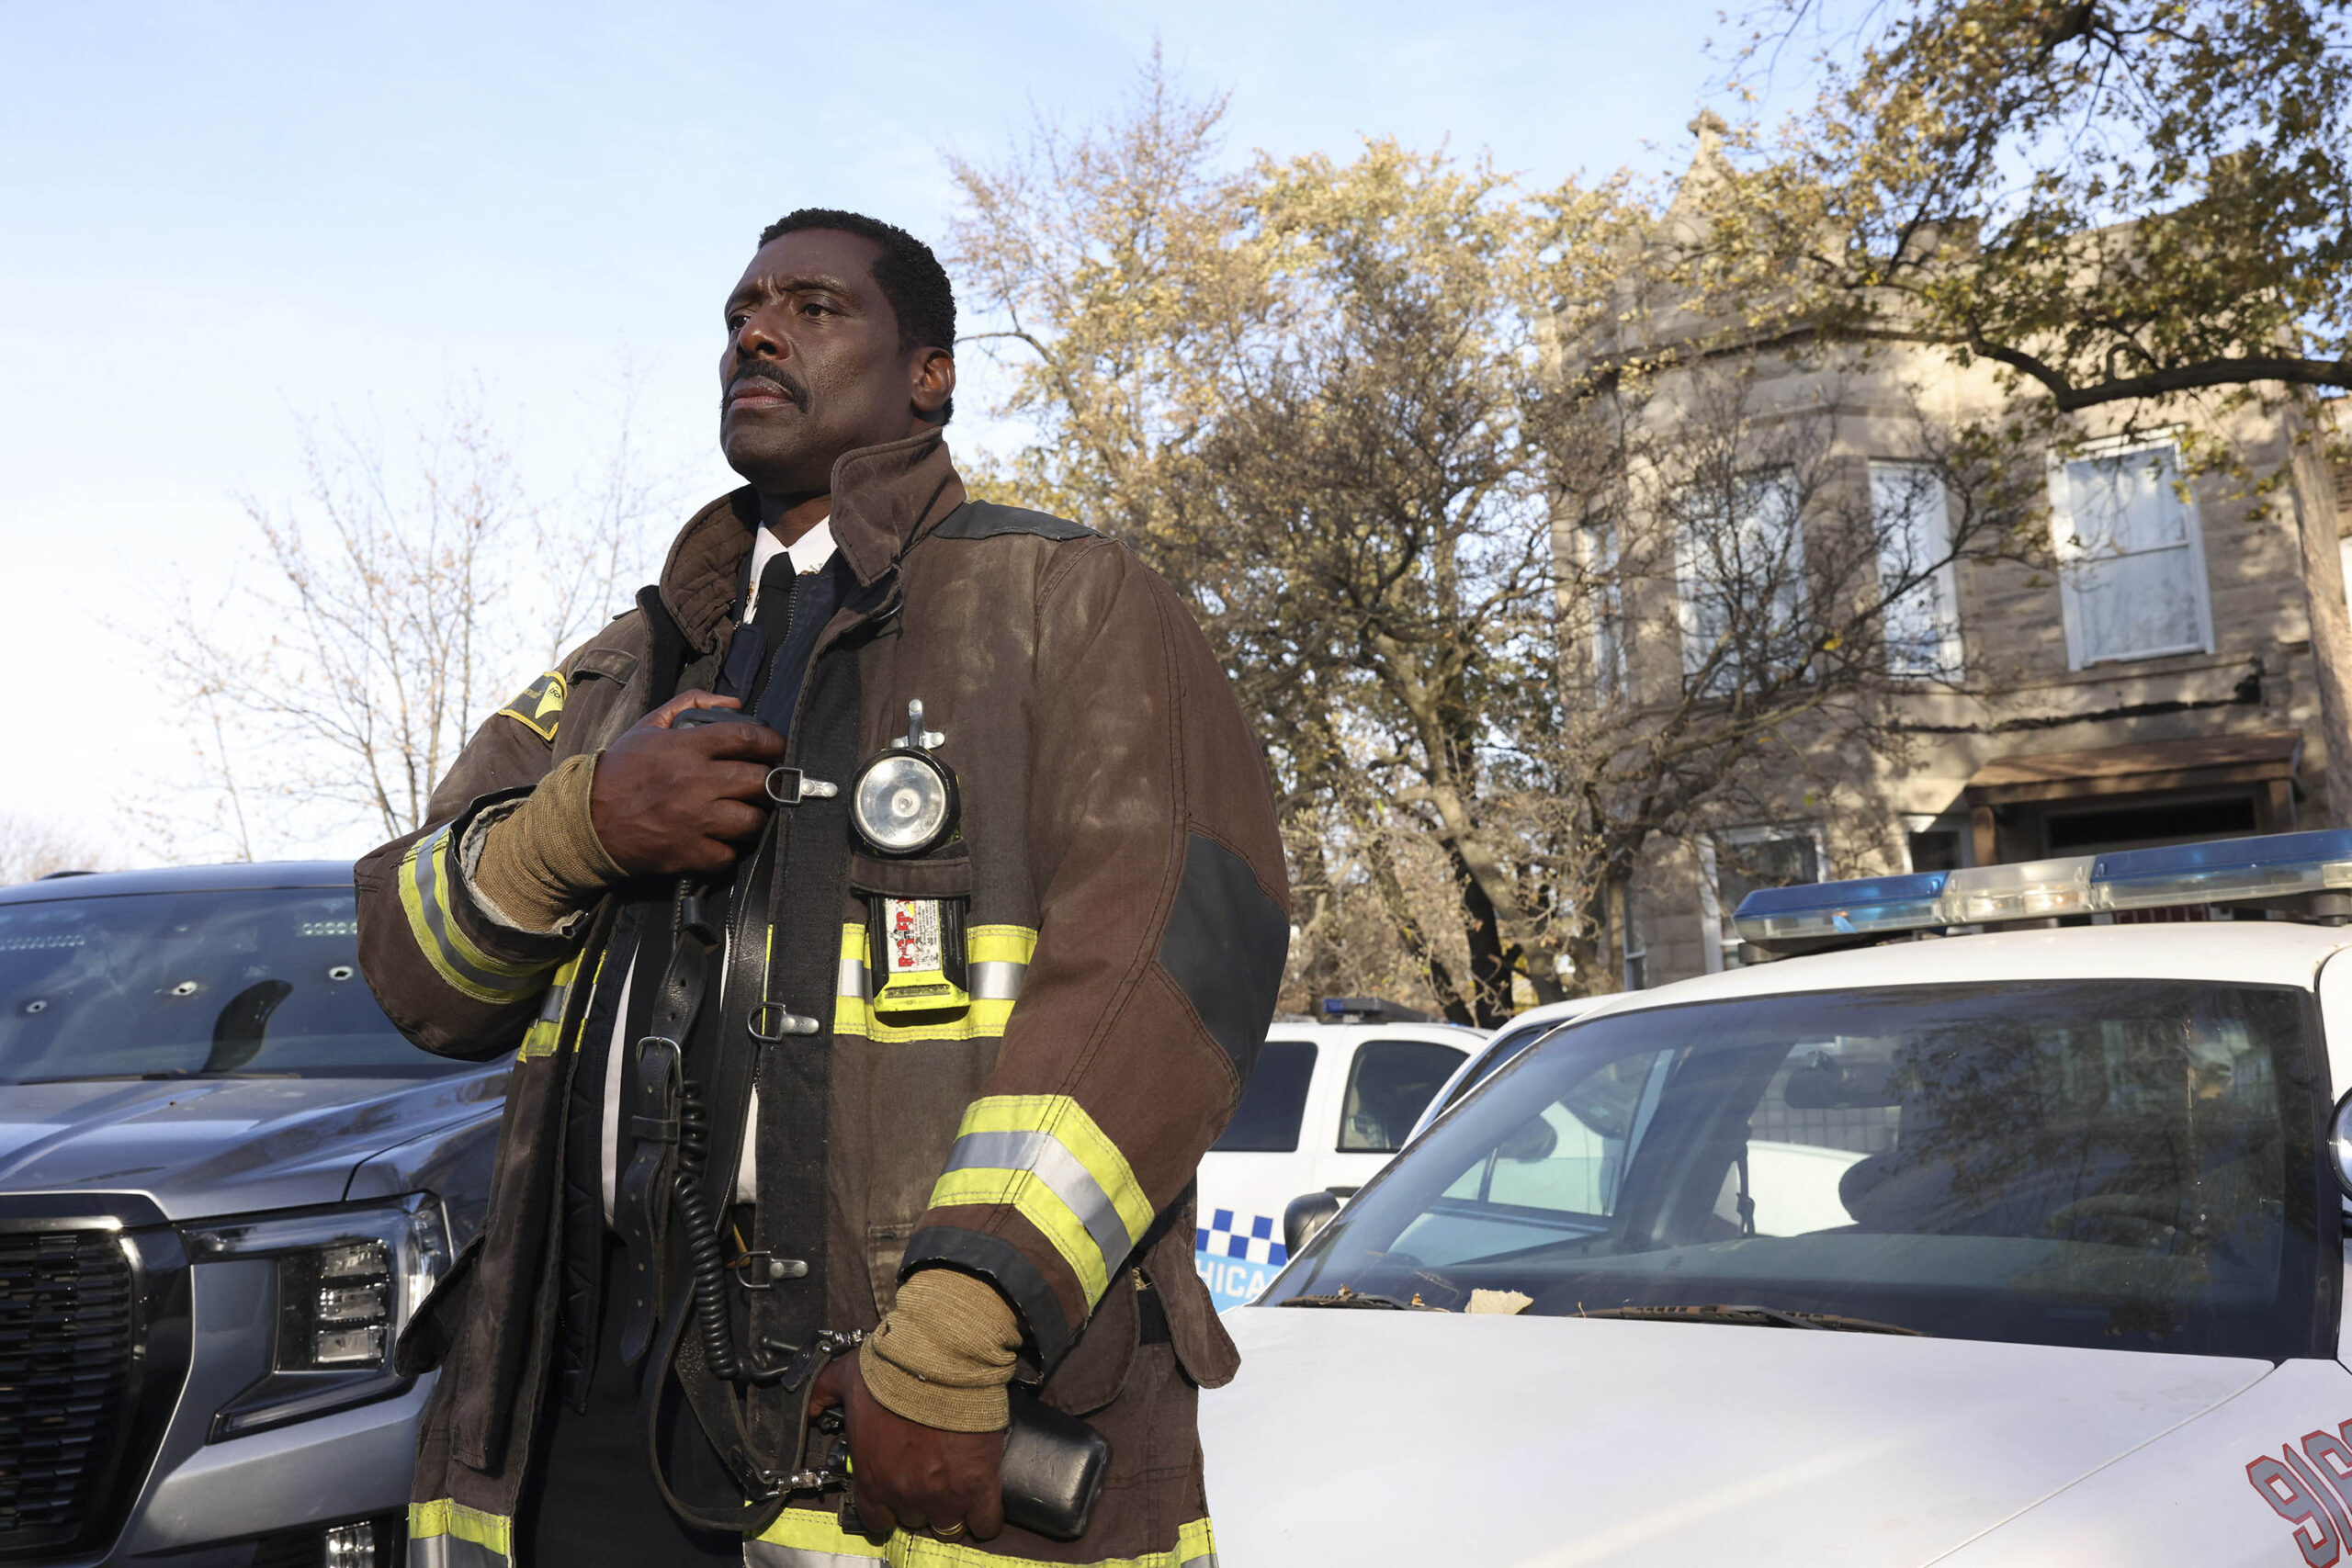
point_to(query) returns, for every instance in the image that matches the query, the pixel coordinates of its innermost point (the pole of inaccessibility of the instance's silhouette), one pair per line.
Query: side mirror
(1304, 1218)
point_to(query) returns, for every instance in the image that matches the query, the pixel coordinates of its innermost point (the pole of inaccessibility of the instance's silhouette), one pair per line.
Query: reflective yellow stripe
(812, 1538)
(1000, 945)
(809, 1538)
(547, 1030)
(442, 1534)
(999, 957)
(1043, 1154)
(425, 897)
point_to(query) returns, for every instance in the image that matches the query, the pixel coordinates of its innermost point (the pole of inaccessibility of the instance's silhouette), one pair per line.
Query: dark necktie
(748, 654)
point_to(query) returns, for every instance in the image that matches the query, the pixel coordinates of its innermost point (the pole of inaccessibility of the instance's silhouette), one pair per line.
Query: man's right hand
(668, 801)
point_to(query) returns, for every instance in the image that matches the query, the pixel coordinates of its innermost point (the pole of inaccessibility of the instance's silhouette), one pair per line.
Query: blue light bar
(1865, 907)
(2278, 866)
(2274, 868)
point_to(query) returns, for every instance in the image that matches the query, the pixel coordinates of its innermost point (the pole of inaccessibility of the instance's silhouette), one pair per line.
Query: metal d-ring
(790, 786)
(772, 1022)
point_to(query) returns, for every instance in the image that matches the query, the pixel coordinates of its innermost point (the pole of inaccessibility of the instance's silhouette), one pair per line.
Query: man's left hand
(910, 1477)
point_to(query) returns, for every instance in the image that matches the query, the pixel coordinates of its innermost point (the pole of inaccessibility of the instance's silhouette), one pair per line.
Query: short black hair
(908, 274)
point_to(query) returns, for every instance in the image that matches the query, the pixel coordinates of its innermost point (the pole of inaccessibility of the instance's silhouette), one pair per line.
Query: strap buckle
(660, 1075)
(790, 786)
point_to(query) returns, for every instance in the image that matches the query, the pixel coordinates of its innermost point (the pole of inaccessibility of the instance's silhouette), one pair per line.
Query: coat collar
(884, 498)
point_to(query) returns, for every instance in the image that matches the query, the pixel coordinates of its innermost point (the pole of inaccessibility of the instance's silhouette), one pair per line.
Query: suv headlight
(348, 1279)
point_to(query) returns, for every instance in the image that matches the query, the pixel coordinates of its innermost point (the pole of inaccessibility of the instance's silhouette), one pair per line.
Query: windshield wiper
(1344, 1297)
(1758, 1317)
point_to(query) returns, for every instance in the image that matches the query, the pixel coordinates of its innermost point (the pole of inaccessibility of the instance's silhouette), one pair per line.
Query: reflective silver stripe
(436, 920)
(1206, 1559)
(853, 981)
(1064, 1175)
(450, 1552)
(768, 1554)
(997, 981)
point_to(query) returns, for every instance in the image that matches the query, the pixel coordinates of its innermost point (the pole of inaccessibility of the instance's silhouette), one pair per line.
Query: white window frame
(1698, 639)
(1613, 665)
(1942, 585)
(1714, 947)
(2068, 548)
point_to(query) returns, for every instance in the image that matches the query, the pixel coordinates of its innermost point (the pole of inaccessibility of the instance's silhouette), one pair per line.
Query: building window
(1921, 622)
(1605, 602)
(1938, 843)
(2131, 572)
(1733, 865)
(1740, 576)
(1636, 976)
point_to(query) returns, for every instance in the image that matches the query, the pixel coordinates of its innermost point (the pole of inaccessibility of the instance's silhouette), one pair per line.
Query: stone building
(2157, 687)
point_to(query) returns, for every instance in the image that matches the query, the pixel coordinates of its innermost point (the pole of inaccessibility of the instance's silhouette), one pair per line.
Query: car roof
(2260, 953)
(1550, 1013)
(1435, 1028)
(236, 877)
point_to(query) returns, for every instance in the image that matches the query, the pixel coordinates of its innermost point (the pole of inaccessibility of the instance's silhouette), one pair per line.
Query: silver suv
(225, 1182)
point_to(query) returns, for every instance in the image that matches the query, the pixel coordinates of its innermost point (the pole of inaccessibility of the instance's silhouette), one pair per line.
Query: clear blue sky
(217, 219)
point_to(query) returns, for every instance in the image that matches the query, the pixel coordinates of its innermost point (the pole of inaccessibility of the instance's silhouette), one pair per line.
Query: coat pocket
(944, 876)
(1203, 1347)
(1091, 1375)
(433, 1327)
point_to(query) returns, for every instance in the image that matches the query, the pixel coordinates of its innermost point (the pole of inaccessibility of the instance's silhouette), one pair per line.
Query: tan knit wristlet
(945, 1354)
(543, 862)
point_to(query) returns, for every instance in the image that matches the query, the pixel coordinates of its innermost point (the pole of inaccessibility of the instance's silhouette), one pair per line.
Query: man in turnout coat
(947, 1081)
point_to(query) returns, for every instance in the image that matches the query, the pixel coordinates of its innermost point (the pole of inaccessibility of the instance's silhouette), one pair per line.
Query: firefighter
(882, 917)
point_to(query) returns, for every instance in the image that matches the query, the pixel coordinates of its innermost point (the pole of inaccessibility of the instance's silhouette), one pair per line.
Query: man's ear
(934, 383)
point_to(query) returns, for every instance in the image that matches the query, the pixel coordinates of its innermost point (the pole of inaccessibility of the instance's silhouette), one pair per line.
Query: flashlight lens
(901, 804)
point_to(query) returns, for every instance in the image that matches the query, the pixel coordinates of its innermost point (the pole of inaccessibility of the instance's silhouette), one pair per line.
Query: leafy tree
(1349, 408)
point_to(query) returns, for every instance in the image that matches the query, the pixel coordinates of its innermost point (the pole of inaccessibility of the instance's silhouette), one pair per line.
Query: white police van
(1327, 1104)
(2058, 1277)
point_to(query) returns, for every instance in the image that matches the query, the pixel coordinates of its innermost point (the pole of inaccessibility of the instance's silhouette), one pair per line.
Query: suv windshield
(2126, 1165)
(262, 982)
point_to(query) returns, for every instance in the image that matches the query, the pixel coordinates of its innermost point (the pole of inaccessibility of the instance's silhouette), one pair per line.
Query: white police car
(2047, 1263)
(1524, 1030)
(1327, 1103)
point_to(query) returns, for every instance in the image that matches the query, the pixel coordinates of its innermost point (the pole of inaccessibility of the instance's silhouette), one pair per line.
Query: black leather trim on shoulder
(1225, 946)
(986, 520)
(1007, 1267)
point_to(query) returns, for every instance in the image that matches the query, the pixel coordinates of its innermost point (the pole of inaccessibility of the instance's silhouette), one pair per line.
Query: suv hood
(206, 1147)
(1370, 1437)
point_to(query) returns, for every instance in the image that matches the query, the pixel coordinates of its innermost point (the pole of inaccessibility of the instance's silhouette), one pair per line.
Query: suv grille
(67, 1311)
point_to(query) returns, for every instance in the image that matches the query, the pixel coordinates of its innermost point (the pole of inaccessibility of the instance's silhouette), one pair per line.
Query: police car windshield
(252, 982)
(2120, 1165)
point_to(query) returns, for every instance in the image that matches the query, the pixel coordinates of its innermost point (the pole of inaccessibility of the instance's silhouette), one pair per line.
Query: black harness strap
(654, 1078)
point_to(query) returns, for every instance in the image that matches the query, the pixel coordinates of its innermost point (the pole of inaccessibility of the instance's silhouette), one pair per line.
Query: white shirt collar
(808, 553)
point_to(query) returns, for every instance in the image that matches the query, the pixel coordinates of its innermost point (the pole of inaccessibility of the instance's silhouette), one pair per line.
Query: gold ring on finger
(949, 1531)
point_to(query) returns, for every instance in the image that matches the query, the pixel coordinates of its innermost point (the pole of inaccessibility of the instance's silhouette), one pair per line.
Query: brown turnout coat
(1127, 920)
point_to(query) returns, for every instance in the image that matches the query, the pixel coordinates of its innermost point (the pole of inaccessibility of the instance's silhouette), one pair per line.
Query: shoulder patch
(986, 520)
(539, 706)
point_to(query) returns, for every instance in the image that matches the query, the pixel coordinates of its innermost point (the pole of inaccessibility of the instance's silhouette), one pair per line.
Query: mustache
(775, 376)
